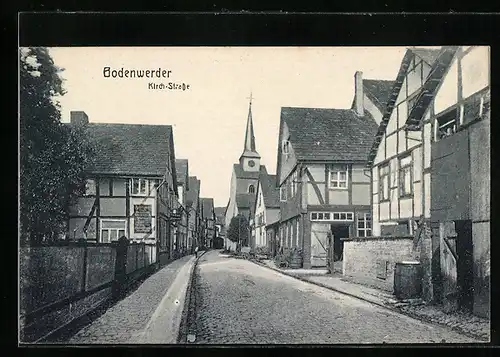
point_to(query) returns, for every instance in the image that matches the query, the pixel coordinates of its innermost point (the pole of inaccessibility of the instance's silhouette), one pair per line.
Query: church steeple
(249, 151)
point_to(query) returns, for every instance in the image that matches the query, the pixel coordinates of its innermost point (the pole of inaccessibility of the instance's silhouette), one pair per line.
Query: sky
(209, 118)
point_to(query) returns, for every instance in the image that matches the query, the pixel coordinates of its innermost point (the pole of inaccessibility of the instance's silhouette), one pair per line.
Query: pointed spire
(249, 134)
(249, 148)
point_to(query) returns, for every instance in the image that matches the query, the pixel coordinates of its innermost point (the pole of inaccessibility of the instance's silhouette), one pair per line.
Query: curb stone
(189, 310)
(387, 307)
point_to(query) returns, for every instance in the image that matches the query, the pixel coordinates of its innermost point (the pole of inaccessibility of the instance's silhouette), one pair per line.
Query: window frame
(140, 180)
(381, 175)
(364, 217)
(109, 240)
(338, 170)
(329, 216)
(283, 193)
(251, 188)
(402, 172)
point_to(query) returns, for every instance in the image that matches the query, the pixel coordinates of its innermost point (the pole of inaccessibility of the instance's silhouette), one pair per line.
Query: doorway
(339, 232)
(465, 278)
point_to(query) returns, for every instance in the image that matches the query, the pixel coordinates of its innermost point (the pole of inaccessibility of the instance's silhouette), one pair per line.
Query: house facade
(220, 227)
(324, 187)
(267, 210)
(125, 194)
(182, 169)
(457, 123)
(430, 168)
(244, 179)
(193, 209)
(208, 217)
(401, 177)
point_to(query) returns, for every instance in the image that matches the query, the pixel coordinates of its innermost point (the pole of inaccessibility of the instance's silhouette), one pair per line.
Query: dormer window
(251, 189)
(285, 147)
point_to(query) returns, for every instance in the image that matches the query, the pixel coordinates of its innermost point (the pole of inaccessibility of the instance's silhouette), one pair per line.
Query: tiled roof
(245, 200)
(240, 173)
(131, 149)
(269, 190)
(181, 167)
(378, 91)
(207, 206)
(329, 134)
(193, 194)
(220, 214)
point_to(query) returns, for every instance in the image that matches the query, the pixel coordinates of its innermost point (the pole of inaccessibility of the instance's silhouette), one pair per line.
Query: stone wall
(371, 261)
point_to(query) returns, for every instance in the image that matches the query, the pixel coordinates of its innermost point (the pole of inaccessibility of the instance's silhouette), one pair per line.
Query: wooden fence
(66, 280)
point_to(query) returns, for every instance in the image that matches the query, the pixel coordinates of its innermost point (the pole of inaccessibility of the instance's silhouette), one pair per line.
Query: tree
(53, 156)
(238, 230)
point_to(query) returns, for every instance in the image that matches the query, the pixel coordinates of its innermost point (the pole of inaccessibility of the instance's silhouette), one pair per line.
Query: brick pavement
(125, 322)
(241, 302)
(462, 322)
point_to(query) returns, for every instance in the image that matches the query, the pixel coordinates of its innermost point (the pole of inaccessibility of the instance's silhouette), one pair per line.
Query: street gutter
(374, 302)
(187, 326)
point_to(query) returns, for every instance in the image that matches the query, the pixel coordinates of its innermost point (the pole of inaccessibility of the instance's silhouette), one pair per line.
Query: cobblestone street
(130, 320)
(243, 303)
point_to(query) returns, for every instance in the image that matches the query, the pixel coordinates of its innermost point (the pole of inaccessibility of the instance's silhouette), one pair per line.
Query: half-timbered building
(131, 187)
(182, 169)
(193, 209)
(266, 208)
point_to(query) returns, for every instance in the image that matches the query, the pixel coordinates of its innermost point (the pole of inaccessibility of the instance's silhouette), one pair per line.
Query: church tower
(250, 158)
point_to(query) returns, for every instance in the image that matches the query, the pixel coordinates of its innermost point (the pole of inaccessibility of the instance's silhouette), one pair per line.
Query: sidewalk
(150, 314)
(464, 323)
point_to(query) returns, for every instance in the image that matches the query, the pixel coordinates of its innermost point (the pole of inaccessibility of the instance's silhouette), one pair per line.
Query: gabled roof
(207, 207)
(430, 54)
(429, 89)
(270, 192)
(193, 193)
(131, 149)
(181, 167)
(378, 91)
(328, 134)
(240, 173)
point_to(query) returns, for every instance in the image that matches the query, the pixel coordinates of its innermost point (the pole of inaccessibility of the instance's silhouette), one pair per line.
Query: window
(139, 187)
(285, 147)
(251, 189)
(384, 182)
(292, 184)
(405, 176)
(283, 193)
(446, 124)
(338, 177)
(332, 216)
(90, 187)
(364, 225)
(111, 230)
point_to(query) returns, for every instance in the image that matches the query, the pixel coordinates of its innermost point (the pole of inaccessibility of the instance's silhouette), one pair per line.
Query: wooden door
(319, 244)
(448, 260)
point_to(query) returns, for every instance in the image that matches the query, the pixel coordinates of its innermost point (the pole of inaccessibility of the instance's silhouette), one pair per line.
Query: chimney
(79, 118)
(358, 93)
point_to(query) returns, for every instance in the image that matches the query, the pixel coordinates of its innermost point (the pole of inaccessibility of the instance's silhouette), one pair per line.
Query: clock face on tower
(251, 163)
